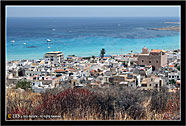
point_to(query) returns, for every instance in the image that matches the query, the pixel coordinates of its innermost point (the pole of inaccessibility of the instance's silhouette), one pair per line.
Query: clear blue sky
(93, 11)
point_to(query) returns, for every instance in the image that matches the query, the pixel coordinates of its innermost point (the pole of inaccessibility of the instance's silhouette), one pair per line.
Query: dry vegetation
(114, 103)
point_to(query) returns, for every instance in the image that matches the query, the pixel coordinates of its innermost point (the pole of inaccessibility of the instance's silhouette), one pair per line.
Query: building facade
(55, 58)
(157, 58)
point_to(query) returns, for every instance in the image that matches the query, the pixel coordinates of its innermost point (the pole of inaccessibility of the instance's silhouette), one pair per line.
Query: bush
(159, 100)
(109, 103)
(23, 84)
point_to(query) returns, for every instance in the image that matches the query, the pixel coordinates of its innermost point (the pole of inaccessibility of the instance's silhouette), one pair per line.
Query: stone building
(157, 58)
(152, 83)
(145, 50)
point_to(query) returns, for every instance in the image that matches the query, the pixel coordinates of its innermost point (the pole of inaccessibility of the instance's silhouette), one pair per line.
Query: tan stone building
(152, 83)
(157, 58)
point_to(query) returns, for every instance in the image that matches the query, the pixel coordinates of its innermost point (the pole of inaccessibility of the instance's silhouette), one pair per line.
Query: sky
(93, 11)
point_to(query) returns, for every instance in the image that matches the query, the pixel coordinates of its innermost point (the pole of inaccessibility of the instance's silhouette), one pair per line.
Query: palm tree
(102, 53)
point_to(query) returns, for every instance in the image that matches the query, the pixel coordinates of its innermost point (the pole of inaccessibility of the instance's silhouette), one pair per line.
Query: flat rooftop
(54, 52)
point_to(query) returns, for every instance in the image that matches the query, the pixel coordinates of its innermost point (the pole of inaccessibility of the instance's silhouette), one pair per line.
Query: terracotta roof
(157, 50)
(60, 70)
(93, 71)
(171, 65)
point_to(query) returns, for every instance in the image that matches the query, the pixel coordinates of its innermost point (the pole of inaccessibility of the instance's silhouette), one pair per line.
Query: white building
(54, 57)
(174, 75)
(38, 87)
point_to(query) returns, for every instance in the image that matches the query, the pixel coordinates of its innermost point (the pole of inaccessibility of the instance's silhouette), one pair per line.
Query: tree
(23, 84)
(93, 57)
(178, 67)
(172, 81)
(102, 53)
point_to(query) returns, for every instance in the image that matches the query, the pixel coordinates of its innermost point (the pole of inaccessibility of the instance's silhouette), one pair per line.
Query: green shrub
(23, 85)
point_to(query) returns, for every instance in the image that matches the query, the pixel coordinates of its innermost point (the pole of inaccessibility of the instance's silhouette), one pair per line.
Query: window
(177, 76)
(150, 85)
(144, 85)
(142, 61)
(156, 61)
(172, 76)
(149, 61)
(160, 82)
(169, 76)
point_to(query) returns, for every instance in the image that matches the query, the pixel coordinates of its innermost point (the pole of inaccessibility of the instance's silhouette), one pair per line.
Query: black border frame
(84, 3)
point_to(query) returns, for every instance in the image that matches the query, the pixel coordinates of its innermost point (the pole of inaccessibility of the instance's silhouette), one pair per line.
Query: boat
(48, 40)
(24, 43)
(13, 41)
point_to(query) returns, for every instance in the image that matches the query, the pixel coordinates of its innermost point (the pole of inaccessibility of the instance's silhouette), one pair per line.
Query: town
(150, 69)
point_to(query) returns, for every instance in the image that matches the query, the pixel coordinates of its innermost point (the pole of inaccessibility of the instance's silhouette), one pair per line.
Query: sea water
(87, 36)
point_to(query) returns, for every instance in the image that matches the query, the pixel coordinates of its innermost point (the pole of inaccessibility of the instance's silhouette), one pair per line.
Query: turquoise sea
(87, 36)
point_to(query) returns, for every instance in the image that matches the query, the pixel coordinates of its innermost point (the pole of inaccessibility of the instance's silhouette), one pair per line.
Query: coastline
(173, 28)
(107, 55)
(172, 22)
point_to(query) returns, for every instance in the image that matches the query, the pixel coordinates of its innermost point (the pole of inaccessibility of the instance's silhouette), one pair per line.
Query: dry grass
(96, 104)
